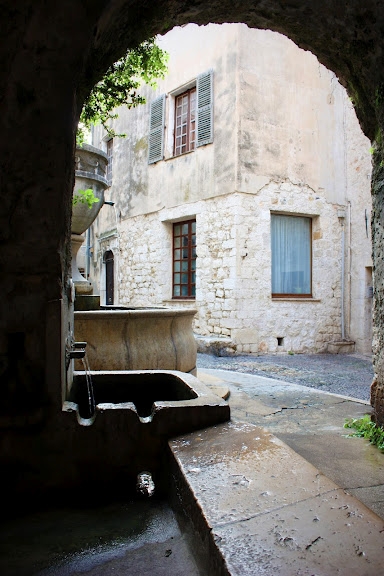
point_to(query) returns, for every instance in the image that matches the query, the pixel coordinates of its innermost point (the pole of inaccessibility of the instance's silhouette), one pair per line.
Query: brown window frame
(190, 124)
(184, 251)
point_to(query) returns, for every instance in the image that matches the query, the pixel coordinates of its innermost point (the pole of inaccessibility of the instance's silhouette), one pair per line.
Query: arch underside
(52, 54)
(345, 36)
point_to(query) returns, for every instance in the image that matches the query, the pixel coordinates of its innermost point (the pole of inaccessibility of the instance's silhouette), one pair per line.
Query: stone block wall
(234, 269)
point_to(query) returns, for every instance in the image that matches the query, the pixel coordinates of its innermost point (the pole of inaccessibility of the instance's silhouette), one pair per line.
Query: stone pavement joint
(314, 428)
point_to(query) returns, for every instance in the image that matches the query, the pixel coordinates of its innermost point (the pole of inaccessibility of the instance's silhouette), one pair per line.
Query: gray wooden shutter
(156, 130)
(204, 85)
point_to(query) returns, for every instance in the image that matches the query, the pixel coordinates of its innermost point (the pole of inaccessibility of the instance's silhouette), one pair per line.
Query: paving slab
(270, 511)
(311, 423)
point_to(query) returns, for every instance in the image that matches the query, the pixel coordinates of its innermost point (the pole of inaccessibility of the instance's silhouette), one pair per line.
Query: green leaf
(85, 197)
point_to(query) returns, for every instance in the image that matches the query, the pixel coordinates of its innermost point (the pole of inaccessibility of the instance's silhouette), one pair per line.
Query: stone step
(263, 509)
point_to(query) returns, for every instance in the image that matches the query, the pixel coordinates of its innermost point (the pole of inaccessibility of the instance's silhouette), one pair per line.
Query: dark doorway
(109, 274)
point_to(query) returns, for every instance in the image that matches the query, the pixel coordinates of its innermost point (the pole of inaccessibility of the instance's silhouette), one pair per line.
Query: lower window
(291, 256)
(184, 259)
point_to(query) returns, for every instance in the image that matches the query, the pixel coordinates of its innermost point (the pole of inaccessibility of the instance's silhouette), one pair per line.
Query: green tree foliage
(119, 86)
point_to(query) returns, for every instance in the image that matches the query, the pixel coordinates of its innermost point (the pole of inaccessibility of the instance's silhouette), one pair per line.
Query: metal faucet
(76, 354)
(78, 350)
(74, 349)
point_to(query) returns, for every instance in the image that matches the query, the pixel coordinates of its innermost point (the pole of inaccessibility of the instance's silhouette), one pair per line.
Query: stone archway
(52, 55)
(344, 36)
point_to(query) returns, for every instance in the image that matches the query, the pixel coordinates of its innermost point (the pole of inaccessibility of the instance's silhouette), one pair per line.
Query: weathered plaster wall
(291, 117)
(358, 256)
(292, 138)
(210, 170)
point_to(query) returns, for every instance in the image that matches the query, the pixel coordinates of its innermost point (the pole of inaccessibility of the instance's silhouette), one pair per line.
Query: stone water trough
(122, 424)
(139, 392)
(121, 338)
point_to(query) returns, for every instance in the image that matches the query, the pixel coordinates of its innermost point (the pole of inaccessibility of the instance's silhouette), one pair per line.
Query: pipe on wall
(341, 216)
(342, 279)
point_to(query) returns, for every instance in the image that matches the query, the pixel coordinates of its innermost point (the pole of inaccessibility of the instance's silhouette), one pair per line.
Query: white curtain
(291, 254)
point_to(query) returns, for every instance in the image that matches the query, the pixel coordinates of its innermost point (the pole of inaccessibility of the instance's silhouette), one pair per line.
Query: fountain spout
(80, 353)
(74, 349)
(78, 345)
(78, 350)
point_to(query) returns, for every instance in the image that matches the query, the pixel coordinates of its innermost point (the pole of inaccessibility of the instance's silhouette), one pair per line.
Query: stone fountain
(90, 173)
(117, 418)
(130, 374)
(121, 338)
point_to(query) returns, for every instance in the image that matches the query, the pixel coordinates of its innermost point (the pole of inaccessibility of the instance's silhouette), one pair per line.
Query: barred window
(110, 160)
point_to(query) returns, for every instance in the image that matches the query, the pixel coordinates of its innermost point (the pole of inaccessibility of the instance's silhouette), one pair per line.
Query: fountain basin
(106, 450)
(121, 338)
(168, 402)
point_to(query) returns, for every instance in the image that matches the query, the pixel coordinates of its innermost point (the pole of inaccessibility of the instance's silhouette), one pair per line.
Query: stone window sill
(295, 299)
(176, 300)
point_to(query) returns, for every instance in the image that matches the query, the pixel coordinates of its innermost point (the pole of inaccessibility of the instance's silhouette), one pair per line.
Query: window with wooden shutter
(156, 130)
(204, 130)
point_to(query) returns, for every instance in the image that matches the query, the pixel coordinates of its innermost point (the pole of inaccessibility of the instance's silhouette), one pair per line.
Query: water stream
(88, 379)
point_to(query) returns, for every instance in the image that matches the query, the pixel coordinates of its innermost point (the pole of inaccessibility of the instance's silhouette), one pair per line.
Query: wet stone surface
(134, 538)
(346, 374)
(311, 422)
(273, 513)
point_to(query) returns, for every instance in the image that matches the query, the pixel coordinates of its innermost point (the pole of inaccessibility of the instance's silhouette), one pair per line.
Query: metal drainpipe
(88, 253)
(349, 267)
(342, 280)
(341, 216)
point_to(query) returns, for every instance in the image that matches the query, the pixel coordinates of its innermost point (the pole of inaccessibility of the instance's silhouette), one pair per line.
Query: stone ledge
(258, 507)
(341, 347)
(215, 345)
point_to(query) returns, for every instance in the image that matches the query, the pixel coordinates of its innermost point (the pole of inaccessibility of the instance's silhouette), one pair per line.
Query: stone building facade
(284, 154)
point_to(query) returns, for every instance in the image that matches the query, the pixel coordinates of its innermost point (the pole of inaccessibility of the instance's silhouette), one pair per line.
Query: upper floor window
(185, 122)
(184, 259)
(190, 118)
(291, 256)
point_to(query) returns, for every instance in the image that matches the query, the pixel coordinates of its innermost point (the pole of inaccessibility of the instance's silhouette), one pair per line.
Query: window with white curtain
(291, 256)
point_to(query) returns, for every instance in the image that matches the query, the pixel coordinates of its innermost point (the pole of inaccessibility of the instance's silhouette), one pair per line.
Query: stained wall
(286, 140)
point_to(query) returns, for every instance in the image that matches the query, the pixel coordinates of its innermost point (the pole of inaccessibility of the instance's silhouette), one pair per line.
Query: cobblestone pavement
(347, 374)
